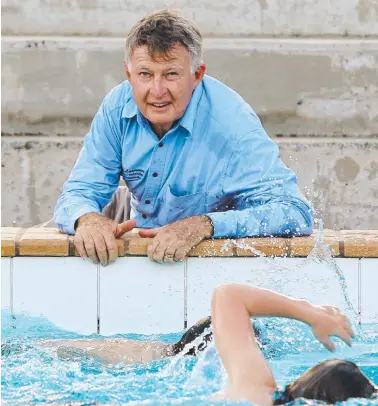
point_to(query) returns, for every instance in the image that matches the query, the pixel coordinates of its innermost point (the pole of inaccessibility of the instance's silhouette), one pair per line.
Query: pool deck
(49, 242)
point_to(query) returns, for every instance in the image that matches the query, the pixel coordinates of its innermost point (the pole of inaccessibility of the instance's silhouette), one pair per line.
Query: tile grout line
(186, 294)
(359, 292)
(98, 298)
(11, 286)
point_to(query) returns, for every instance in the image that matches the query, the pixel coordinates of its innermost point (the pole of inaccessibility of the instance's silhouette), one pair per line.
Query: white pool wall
(135, 295)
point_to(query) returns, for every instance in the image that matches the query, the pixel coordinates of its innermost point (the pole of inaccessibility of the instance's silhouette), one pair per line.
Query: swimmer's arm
(232, 307)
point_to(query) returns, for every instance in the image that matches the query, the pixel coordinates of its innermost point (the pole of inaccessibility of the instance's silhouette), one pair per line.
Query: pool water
(32, 374)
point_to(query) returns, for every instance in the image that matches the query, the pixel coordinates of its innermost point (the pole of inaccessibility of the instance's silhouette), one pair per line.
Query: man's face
(162, 87)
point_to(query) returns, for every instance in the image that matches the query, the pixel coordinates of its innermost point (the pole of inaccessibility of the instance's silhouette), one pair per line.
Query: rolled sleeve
(69, 227)
(266, 198)
(224, 223)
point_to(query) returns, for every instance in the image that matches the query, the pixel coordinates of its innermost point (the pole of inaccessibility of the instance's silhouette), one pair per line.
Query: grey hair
(160, 31)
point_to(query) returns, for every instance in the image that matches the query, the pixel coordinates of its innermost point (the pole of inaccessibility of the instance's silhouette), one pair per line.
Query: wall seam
(98, 299)
(359, 292)
(186, 294)
(11, 286)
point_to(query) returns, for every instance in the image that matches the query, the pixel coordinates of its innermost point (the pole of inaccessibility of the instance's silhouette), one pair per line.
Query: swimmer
(125, 351)
(250, 377)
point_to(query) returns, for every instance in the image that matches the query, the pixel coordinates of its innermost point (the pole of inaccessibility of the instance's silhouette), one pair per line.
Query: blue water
(31, 374)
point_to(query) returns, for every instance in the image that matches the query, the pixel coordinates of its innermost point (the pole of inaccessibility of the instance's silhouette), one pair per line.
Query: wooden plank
(214, 248)
(302, 246)
(10, 237)
(360, 243)
(135, 245)
(73, 252)
(254, 247)
(44, 242)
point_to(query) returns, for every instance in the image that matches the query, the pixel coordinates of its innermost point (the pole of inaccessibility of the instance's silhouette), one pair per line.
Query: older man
(194, 155)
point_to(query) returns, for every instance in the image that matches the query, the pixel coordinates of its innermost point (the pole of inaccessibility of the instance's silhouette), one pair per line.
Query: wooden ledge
(50, 242)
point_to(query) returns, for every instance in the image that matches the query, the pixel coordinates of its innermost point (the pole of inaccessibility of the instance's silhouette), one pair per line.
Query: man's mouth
(160, 105)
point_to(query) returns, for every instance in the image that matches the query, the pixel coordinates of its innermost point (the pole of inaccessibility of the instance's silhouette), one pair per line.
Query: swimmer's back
(109, 350)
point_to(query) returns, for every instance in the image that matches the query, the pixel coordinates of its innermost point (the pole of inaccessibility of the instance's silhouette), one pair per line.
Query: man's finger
(79, 244)
(148, 232)
(169, 256)
(100, 247)
(90, 248)
(159, 253)
(124, 227)
(180, 255)
(112, 247)
(151, 249)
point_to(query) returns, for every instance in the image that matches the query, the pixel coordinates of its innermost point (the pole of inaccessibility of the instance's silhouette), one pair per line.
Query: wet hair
(330, 381)
(193, 333)
(162, 30)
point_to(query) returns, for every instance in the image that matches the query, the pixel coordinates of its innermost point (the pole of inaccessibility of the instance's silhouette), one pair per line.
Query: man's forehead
(177, 56)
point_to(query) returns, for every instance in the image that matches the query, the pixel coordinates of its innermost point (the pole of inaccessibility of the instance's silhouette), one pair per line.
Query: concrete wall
(339, 176)
(302, 87)
(216, 18)
(317, 94)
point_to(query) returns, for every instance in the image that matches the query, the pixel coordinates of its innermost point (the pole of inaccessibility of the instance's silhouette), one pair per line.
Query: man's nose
(158, 89)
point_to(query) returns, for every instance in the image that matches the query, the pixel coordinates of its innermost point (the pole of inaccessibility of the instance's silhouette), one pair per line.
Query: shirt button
(144, 216)
(161, 144)
(155, 174)
(148, 201)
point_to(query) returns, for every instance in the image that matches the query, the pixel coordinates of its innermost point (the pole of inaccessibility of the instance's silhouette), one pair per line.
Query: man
(194, 155)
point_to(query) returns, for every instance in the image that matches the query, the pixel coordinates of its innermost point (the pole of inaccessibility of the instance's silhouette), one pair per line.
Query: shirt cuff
(70, 227)
(225, 223)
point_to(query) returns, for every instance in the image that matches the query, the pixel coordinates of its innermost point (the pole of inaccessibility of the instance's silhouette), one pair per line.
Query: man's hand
(96, 237)
(329, 321)
(172, 242)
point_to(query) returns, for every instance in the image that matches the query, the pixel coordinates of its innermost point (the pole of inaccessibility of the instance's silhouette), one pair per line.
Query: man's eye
(172, 73)
(144, 74)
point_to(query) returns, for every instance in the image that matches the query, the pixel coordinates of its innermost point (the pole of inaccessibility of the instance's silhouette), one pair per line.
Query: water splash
(320, 253)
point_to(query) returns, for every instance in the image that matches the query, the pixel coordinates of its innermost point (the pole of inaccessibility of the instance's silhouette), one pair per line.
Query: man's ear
(127, 72)
(199, 73)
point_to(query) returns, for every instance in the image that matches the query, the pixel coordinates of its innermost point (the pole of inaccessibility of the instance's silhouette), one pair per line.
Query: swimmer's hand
(327, 321)
(172, 242)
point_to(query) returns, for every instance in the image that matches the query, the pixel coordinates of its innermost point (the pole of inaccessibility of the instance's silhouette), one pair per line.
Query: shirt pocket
(182, 206)
(218, 202)
(179, 207)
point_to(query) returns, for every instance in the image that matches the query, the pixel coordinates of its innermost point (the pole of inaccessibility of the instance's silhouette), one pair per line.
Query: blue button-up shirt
(216, 160)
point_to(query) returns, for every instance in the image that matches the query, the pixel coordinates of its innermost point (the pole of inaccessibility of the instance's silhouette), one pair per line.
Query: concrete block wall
(309, 69)
(214, 18)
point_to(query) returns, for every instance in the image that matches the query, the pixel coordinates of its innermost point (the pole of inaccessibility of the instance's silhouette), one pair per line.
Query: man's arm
(266, 199)
(95, 176)
(92, 182)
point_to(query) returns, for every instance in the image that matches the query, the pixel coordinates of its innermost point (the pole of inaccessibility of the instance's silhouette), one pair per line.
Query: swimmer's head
(330, 381)
(199, 329)
(195, 331)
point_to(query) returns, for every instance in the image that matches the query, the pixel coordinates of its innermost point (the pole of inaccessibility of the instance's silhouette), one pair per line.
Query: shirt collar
(130, 110)
(187, 120)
